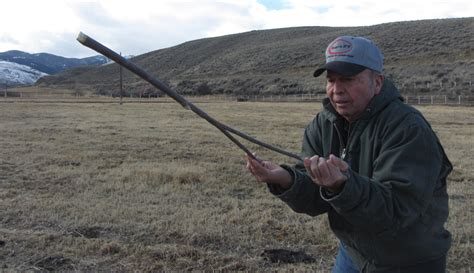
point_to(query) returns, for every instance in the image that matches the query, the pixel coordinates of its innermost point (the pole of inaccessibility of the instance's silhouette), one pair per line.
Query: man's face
(351, 95)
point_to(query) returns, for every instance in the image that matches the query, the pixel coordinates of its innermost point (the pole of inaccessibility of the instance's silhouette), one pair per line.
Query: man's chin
(345, 114)
(343, 111)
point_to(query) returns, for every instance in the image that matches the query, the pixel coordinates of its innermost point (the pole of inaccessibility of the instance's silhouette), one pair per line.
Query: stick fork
(226, 130)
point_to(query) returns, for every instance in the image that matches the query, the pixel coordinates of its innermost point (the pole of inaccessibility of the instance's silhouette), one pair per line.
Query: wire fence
(434, 99)
(53, 96)
(435, 84)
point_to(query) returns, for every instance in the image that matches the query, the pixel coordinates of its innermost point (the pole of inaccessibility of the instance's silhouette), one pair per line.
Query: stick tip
(81, 37)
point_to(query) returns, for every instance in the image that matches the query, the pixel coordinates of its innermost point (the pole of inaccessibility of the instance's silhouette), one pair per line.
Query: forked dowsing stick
(226, 130)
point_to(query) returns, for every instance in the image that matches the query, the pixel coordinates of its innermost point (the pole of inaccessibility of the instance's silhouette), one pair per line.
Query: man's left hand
(327, 173)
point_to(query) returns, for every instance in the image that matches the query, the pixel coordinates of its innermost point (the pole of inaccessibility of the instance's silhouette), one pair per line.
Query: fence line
(419, 100)
(309, 97)
(435, 84)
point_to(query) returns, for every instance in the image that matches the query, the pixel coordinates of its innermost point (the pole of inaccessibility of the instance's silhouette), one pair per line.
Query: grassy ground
(152, 187)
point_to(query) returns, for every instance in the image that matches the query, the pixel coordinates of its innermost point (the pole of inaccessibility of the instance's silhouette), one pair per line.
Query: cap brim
(342, 68)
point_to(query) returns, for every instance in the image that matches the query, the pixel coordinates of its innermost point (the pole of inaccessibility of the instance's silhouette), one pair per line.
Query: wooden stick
(93, 44)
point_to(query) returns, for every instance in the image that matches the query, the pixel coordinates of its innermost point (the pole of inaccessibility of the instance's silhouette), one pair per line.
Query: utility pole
(121, 85)
(76, 92)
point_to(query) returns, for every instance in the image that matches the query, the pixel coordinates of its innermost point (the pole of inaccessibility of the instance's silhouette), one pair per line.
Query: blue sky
(139, 26)
(272, 5)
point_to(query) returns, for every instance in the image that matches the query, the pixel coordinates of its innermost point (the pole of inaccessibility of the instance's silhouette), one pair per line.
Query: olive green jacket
(392, 209)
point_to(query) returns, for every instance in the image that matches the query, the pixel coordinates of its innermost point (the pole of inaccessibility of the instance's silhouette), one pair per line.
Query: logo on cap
(339, 46)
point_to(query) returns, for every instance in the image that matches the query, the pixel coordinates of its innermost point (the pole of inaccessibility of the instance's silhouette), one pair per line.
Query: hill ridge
(49, 63)
(433, 54)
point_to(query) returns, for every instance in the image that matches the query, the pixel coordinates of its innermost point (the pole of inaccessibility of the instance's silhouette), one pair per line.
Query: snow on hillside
(13, 74)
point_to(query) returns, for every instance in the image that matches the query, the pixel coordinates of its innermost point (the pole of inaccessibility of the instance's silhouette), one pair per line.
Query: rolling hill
(426, 56)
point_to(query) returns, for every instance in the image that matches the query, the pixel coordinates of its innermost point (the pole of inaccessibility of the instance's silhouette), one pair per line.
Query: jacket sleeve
(304, 196)
(405, 173)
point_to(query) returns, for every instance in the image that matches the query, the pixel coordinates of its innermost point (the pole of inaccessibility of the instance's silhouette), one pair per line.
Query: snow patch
(13, 74)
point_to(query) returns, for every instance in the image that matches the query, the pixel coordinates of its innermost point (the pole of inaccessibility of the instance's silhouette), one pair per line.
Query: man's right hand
(268, 172)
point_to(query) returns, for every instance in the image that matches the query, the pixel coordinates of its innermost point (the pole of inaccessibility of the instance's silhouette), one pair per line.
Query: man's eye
(347, 79)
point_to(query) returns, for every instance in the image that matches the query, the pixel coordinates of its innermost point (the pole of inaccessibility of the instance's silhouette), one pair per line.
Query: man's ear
(379, 78)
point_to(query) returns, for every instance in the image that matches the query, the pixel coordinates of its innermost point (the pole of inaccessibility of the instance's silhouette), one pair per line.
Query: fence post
(431, 100)
(445, 99)
(419, 100)
(459, 99)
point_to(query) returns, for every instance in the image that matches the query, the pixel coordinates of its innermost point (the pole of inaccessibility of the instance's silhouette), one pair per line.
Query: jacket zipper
(343, 153)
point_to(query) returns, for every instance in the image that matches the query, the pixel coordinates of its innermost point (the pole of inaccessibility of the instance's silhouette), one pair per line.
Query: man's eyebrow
(340, 77)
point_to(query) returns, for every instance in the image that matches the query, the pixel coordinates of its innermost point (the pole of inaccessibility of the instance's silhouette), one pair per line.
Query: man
(373, 164)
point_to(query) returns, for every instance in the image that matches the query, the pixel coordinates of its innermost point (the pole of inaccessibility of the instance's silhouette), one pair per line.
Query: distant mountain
(13, 74)
(422, 57)
(41, 62)
(49, 63)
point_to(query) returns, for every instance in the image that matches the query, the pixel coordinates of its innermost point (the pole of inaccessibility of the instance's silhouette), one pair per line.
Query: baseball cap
(349, 55)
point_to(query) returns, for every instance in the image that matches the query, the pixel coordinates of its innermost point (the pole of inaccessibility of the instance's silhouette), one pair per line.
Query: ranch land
(151, 186)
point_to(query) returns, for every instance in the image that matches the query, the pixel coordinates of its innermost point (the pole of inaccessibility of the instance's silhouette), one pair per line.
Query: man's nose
(338, 87)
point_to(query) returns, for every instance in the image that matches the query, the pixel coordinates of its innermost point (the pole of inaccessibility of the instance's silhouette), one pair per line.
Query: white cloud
(139, 26)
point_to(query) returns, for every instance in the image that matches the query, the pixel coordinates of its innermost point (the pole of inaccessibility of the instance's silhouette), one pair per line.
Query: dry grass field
(150, 187)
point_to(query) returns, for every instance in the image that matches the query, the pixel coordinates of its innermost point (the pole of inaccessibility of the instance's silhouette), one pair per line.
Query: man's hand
(268, 172)
(328, 174)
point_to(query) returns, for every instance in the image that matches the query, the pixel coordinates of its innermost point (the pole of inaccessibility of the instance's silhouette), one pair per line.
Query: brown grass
(151, 187)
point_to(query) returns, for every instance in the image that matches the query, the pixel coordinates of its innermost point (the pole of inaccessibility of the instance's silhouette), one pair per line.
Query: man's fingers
(315, 161)
(327, 173)
(320, 169)
(323, 169)
(311, 165)
(341, 164)
(252, 166)
(307, 165)
(253, 161)
(258, 169)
